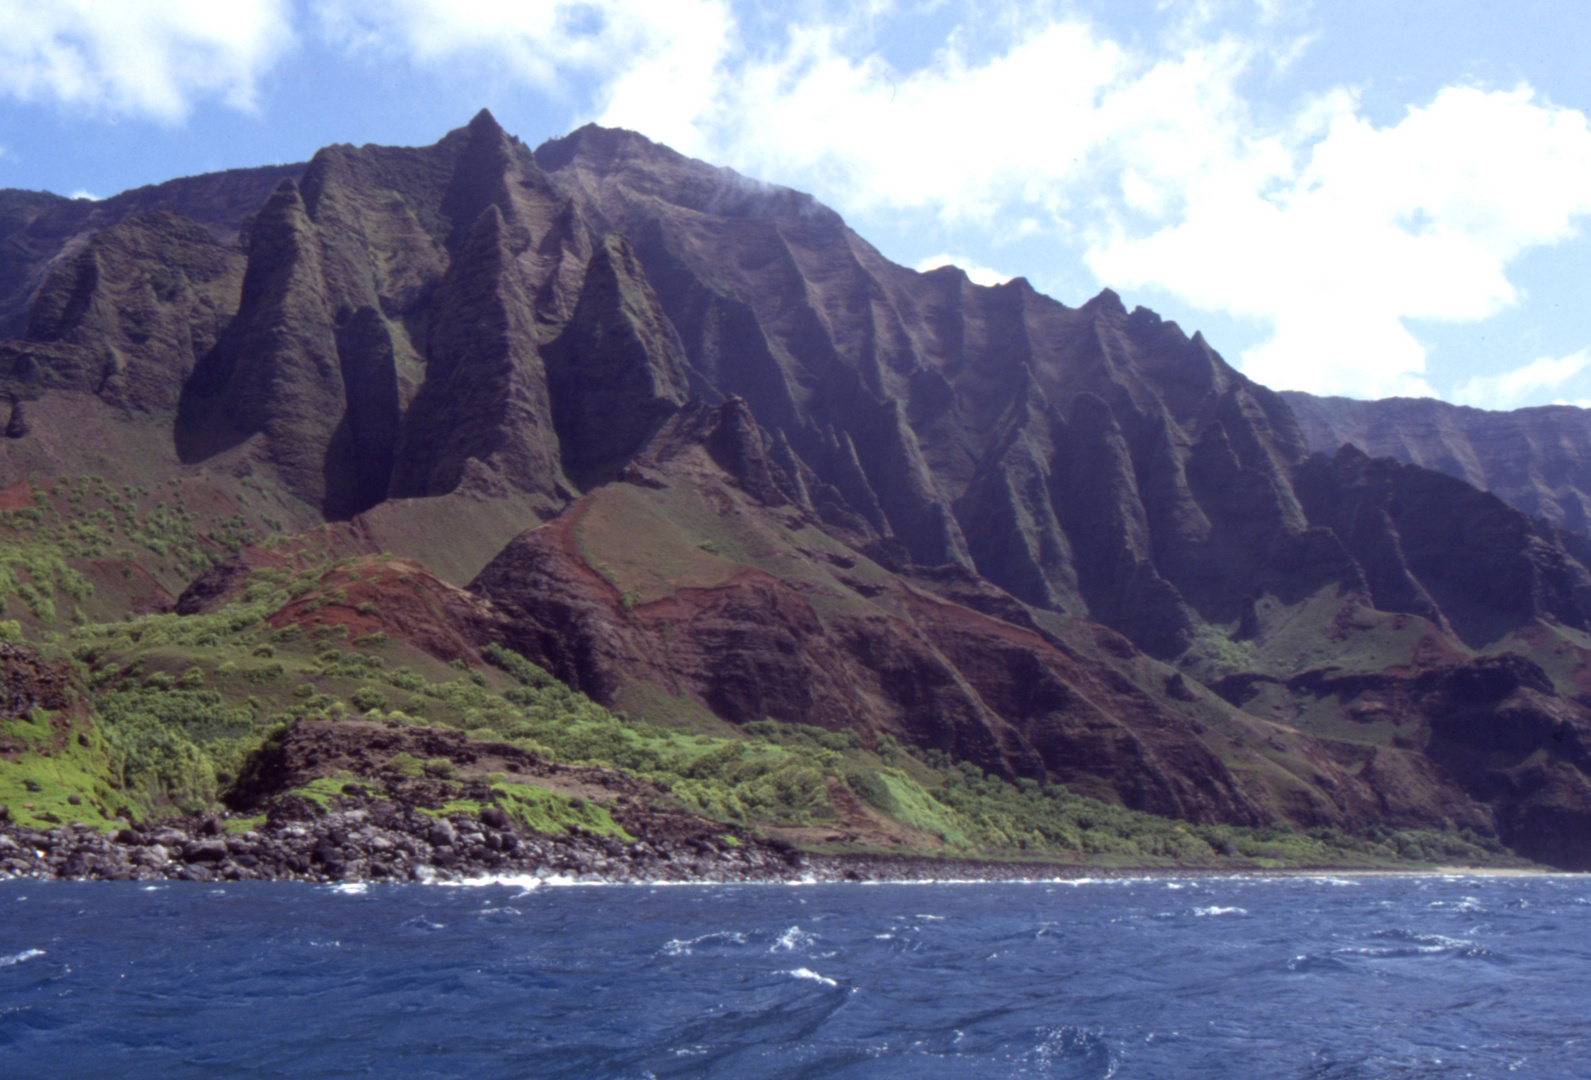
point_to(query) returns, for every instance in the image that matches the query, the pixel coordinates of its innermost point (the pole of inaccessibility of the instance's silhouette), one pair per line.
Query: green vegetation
(551, 813)
(37, 542)
(182, 703)
(324, 790)
(57, 772)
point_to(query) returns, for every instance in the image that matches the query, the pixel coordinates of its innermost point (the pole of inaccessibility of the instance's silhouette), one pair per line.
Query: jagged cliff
(784, 478)
(1537, 459)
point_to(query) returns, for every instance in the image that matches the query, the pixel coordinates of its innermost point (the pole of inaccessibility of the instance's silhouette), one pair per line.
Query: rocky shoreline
(405, 845)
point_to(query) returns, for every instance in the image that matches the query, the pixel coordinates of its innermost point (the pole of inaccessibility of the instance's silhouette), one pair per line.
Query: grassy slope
(650, 543)
(180, 703)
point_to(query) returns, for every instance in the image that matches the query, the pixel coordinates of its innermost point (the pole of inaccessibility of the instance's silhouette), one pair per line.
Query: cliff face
(1538, 459)
(699, 580)
(1087, 460)
(788, 479)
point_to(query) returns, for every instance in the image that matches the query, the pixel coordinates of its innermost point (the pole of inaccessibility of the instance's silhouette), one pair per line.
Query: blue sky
(1346, 196)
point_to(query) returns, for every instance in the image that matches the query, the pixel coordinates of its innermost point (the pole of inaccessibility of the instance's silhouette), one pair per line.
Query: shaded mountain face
(1538, 459)
(785, 478)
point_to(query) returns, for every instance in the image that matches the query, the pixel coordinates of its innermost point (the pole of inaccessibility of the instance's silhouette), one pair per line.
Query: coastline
(376, 844)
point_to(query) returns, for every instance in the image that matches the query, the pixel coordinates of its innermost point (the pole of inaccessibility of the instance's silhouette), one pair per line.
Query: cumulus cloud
(957, 137)
(651, 53)
(147, 58)
(976, 271)
(1353, 229)
(1326, 231)
(1546, 376)
(1148, 159)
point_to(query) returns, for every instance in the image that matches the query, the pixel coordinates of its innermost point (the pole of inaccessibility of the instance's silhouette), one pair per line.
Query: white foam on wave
(356, 888)
(526, 882)
(21, 957)
(687, 946)
(1207, 911)
(812, 976)
(792, 939)
(531, 881)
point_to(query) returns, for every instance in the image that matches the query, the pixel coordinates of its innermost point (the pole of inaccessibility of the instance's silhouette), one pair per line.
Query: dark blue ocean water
(1230, 978)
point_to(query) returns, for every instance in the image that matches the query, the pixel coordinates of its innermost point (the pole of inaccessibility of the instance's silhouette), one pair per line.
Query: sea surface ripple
(1325, 978)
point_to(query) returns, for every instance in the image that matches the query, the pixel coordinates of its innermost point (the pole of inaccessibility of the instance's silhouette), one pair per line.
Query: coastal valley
(591, 511)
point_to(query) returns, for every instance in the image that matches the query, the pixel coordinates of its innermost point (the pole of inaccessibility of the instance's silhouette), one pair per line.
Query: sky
(1346, 196)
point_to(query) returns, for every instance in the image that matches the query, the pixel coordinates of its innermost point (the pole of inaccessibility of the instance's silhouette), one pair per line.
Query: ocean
(1156, 977)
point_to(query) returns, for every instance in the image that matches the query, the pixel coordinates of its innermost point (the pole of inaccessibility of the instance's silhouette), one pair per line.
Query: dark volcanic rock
(896, 496)
(142, 301)
(618, 370)
(1538, 459)
(399, 836)
(28, 681)
(1433, 546)
(922, 669)
(275, 370)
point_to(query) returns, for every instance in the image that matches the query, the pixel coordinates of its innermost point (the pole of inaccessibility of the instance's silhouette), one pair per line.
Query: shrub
(871, 789)
(511, 662)
(265, 672)
(367, 698)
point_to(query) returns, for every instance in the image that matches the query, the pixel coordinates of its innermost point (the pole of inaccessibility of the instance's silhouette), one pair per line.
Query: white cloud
(652, 53)
(976, 271)
(1358, 228)
(1321, 228)
(956, 137)
(1148, 159)
(148, 58)
(1541, 377)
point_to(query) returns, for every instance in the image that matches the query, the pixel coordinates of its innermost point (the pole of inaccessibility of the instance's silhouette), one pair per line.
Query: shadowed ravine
(693, 447)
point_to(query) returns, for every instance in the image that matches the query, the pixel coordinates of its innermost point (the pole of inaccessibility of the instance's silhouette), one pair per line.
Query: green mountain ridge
(814, 545)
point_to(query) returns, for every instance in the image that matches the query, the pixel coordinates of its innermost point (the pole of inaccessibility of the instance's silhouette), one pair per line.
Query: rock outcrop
(1536, 459)
(786, 478)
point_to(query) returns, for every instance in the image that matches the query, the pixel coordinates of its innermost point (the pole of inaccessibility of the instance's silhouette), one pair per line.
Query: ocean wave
(812, 976)
(21, 957)
(793, 940)
(1082, 1053)
(1312, 963)
(1206, 911)
(1407, 944)
(688, 946)
(1436, 941)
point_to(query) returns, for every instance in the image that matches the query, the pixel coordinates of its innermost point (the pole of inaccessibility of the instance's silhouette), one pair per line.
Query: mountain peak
(484, 121)
(890, 503)
(1108, 300)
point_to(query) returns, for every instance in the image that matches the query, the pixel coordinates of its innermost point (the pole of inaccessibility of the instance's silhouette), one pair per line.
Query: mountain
(688, 443)
(1538, 459)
